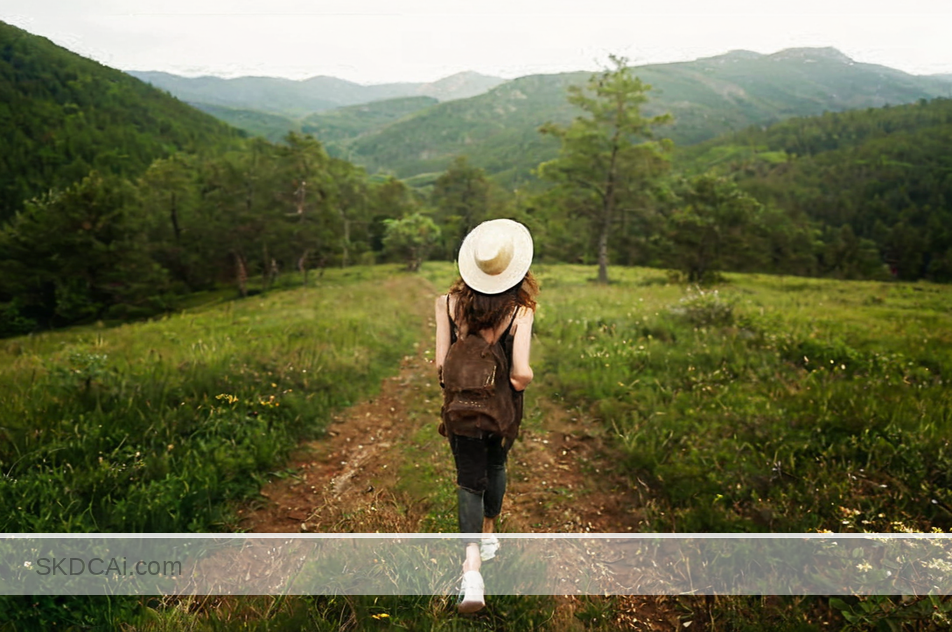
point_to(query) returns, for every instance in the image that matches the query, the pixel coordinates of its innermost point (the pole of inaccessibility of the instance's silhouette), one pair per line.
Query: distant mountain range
(708, 97)
(343, 124)
(289, 98)
(495, 122)
(61, 114)
(333, 127)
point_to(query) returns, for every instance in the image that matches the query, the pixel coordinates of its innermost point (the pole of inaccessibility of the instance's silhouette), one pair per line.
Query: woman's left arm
(521, 373)
(442, 334)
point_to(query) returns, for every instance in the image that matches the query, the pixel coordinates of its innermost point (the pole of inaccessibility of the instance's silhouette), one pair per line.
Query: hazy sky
(375, 41)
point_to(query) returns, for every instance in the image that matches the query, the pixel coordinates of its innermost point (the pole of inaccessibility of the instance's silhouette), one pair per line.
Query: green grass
(166, 425)
(158, 426)
(432, 481)
(767, 404)
(764, 404)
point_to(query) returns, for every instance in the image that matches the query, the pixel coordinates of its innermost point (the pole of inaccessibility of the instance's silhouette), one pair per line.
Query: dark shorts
(480, 478)
(477, 459)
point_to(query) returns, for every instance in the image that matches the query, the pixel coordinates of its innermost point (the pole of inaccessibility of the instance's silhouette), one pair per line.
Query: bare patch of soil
(340, 483)
(565, 479)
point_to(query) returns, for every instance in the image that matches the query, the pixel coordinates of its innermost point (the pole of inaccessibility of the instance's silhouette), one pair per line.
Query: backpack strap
(508, 330)
(512, 321)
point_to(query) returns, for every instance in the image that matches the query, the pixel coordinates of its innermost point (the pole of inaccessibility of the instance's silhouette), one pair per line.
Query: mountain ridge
(298, 98)
(498, 130)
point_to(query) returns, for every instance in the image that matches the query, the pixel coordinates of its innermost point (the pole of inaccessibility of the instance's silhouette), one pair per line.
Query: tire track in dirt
(378, 467)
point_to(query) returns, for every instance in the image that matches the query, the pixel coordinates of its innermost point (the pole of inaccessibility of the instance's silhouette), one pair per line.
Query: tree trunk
(346, 242)
(603, 251)
(608, 211)
(301, 193)
(176, 229)
(180, 267)
(241, 274)
(265, 271)
(302, 265)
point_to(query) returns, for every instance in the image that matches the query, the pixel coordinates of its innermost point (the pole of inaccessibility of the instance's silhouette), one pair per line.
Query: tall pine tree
(608, 159)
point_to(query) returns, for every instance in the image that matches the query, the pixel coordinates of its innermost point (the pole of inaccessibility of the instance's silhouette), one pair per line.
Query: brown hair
(487, 311)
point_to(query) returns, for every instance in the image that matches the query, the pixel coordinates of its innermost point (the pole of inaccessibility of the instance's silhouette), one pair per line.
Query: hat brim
(514, 272)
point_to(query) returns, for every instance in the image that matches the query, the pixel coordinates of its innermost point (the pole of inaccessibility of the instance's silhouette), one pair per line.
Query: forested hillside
(497, 128)
(273, 127)
(337, 127)
(878, 180)
(62, 115)
(497, 131)
(118, 200)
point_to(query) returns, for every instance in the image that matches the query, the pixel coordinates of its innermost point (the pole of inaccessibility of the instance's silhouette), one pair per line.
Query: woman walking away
(483, 330)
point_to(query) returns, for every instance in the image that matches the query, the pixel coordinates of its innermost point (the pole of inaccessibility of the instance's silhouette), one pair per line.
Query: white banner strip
(428, 564)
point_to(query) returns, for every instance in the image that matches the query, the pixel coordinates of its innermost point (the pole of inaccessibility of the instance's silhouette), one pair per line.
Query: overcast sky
(376, 41)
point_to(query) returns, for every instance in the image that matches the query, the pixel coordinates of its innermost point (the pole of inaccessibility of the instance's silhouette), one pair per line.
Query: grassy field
(767, 403)
(762, 404)
(155, 426)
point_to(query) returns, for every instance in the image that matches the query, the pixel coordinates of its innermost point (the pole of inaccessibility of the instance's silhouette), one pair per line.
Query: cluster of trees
(109, 246)
(615, 195)
(859, 194)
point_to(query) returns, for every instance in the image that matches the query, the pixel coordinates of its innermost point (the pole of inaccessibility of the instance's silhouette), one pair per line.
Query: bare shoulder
(443, 299)
(522, 320)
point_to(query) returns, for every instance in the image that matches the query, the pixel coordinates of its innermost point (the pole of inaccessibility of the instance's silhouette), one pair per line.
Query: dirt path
(384, 468)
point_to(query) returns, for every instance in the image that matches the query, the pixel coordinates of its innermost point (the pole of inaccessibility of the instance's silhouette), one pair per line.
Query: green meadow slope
(160, 426)
(763, 404)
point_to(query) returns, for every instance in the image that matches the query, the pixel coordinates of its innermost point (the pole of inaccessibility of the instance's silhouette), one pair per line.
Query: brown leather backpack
(477, 394)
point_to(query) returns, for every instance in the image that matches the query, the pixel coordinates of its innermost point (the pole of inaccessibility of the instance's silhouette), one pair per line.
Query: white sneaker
(488, 547)
(472, 593)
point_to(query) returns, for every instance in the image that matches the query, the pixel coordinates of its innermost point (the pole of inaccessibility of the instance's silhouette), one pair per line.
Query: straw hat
(495, 256)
